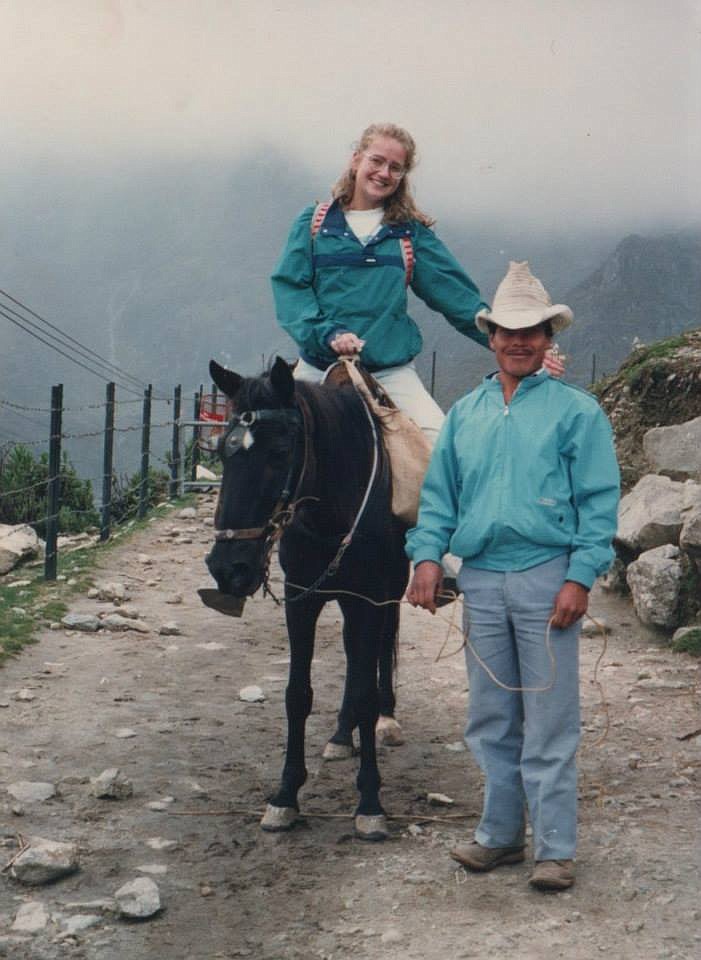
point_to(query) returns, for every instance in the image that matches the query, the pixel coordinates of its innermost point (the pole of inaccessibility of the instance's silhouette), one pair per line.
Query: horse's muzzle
(239, 576)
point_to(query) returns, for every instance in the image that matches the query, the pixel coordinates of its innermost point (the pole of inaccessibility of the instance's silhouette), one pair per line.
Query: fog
(524, 110)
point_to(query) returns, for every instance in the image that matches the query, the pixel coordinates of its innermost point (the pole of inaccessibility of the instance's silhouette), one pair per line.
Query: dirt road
(165, 709)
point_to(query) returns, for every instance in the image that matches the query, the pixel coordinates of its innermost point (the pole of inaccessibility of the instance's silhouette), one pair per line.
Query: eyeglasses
(376, 162)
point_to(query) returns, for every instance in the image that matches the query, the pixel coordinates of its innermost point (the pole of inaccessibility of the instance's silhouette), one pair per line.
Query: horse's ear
(227, 381)
(282, 380)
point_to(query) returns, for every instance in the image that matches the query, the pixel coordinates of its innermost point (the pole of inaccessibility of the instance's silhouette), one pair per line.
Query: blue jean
(524, 742)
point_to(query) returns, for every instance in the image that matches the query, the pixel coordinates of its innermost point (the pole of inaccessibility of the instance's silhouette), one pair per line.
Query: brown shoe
(476, 857)
(553, 874)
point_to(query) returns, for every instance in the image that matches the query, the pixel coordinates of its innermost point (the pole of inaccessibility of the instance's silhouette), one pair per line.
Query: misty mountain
(647, 290)
(162, 267)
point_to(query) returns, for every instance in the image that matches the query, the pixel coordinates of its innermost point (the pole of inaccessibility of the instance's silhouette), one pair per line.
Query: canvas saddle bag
(407, 447)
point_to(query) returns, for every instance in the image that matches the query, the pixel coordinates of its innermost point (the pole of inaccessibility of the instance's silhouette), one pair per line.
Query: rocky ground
(164, 708)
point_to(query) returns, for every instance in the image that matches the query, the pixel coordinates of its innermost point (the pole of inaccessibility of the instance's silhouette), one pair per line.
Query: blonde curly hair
(400, 206)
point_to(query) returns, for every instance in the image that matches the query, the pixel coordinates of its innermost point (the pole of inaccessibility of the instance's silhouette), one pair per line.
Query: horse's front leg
(360, 635)
(283, 810)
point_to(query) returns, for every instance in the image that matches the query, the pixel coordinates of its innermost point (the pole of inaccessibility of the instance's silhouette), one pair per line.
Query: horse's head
(261, 456)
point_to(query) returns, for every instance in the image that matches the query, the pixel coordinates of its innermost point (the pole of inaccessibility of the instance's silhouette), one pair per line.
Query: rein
(284, 510)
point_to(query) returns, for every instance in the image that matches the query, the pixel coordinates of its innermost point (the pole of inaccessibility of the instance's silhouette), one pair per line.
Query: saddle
(408, 449)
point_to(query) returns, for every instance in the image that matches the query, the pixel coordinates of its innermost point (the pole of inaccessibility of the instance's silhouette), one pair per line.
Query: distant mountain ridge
(647, 290)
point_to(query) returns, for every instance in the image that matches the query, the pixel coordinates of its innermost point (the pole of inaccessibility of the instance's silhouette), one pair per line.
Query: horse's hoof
(337, 751)
(371, 827)
(277, 819)
(388, 732)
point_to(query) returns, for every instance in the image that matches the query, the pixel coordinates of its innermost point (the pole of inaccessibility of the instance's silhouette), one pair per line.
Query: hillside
(647, 290)
(656, 386)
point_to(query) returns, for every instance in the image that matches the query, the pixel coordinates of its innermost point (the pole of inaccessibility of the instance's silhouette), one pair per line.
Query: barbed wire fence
(185, 431)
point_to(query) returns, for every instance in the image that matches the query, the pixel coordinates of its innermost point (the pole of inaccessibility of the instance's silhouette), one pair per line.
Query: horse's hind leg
(388, 731)
(359, 632)
(282, 810)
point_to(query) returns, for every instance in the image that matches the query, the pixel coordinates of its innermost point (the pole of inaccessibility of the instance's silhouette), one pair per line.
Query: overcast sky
(563, 109)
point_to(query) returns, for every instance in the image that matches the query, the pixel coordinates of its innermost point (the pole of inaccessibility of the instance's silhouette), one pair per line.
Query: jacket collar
(335, 225)
(528, 383)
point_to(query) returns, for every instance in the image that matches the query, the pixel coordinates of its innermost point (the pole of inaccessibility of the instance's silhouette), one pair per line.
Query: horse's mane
(341, 435)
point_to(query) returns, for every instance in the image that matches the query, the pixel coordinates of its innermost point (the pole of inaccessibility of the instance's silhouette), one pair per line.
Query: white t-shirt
(365, 223)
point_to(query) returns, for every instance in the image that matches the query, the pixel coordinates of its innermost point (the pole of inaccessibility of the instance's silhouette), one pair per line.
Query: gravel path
(165, 710)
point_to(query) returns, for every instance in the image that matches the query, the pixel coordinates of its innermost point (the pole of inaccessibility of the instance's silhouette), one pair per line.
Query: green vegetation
(648, 358)
(23, 493)
(689, 643)
(34, 602)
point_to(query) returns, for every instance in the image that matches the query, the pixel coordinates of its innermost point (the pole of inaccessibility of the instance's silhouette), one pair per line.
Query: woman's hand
(347, 344)
(554, 362)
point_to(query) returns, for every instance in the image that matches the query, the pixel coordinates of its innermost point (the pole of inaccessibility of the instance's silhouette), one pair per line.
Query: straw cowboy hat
(522, 301)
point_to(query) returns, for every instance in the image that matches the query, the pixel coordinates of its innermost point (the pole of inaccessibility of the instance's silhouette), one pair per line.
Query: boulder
(112, 784)
(675, 451)
(139, 899)
(690, 536)
(44, 861)
(81, 621)
(650, 515)
(655, 582)
(17, 544)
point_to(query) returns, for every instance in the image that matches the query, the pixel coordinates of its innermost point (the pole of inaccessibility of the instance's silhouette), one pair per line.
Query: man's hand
(425, 584)
(346, 344)
(570, 604)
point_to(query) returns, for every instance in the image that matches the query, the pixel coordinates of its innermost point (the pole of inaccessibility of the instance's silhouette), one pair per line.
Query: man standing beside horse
(523, 485)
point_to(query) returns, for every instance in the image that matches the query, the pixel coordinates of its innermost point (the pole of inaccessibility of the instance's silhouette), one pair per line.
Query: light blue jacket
(333, 283)
(509, 487)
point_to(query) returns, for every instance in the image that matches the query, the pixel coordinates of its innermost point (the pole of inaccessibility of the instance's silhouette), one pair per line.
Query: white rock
(154, 869)
(80, 922)
(111, 590)
(112, 784)
(162, 804)
(655, 581)
(188, 513)
(138, 899)
(159, 843)
(170, 629)
(144, 559)
(115, 621)
(124, 733)
(44, 861)
(17, 543)
(391, 935)
(594, 626)
(251, 694)
(28, 792)
(30, 918)
(25, 694)
(650, 515)
(213, 645)
(174, 598)
(675, 450)
(457, 747)
(81, 621)
(202, 473)
(439, 799)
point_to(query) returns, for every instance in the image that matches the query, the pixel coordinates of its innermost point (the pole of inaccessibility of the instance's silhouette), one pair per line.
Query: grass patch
(649, 356)
(33, 602)
(689, 643)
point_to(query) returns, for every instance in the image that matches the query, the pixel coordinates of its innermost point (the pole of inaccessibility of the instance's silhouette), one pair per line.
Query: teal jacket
(509, 487)
(333, 284)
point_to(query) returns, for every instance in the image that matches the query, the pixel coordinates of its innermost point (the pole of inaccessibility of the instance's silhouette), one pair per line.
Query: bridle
(281, 515)
(284, 510)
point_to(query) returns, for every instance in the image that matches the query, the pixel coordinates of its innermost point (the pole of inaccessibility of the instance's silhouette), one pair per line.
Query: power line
(92, 354)
(62, 352)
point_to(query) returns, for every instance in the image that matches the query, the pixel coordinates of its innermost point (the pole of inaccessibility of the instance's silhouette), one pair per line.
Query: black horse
(305, 463)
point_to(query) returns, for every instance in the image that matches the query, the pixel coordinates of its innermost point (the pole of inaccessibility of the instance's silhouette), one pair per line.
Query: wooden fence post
(54, 484)
(196, 435)
(175, 465)
(145, 448)
(107, 461)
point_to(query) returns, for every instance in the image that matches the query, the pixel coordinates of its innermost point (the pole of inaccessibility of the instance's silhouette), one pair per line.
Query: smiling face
(378, 172)
(520, 353)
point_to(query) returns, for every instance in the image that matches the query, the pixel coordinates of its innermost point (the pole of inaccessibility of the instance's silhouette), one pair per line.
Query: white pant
(405, 389)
